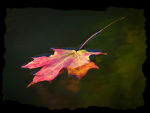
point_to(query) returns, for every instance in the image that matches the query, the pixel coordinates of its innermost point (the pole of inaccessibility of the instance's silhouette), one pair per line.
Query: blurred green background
(119, 83)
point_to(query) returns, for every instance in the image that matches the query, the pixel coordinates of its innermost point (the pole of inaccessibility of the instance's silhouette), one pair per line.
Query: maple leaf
(76, 62)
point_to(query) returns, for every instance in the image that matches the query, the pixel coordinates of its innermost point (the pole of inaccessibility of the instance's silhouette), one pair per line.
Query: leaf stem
(101, 31)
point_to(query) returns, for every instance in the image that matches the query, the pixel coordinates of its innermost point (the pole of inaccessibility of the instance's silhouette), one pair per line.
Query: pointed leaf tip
(30, 84)
(105, 53)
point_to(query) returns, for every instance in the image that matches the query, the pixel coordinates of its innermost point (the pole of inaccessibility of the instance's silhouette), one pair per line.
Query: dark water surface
(118, 84)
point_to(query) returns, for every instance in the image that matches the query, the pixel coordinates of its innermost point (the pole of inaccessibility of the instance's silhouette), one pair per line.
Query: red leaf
(76, 62)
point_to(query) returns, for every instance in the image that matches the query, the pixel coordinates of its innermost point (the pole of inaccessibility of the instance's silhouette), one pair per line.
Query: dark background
(26, 47)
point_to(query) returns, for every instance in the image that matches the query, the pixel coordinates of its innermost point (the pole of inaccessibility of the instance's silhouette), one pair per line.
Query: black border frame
(14, 106)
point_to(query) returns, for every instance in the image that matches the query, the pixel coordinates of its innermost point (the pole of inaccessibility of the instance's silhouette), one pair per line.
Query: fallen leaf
(76, 62)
